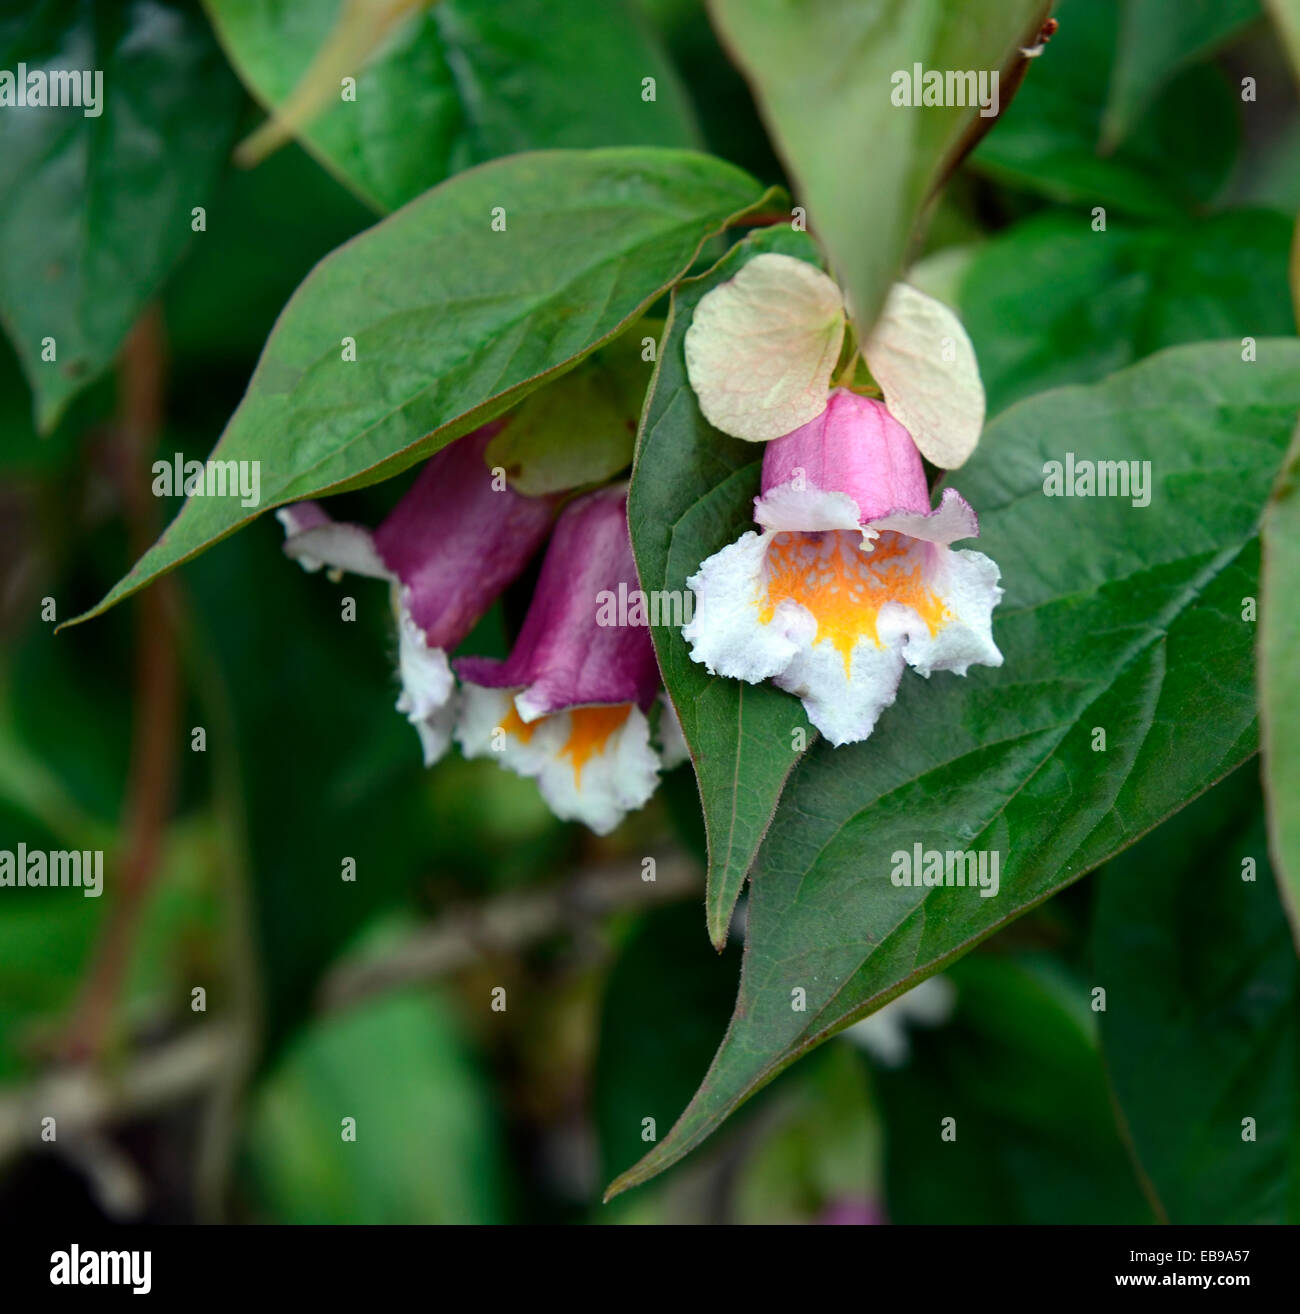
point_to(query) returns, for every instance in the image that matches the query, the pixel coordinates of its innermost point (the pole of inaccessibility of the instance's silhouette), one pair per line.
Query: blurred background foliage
(373, 996)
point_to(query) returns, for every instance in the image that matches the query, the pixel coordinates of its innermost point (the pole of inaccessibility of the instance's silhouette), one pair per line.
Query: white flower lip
(884, 1033)
(851, 577)
(804, 510)
(428, 697)
(614, 781)
(448, 548)
(832, 612)
(315, 541)
(594, 771)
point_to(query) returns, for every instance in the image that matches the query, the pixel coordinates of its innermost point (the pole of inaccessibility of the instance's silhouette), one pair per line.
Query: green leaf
(1117, 617)
(461, 82)
(1049, 139)
(1020, 1070)
(1157, 39)
(692, 491)
(1279, 679)
(581, 429)
(426, 1149)
(1202, 1022)
(453, 321)
(1050, 302)
(822, 73)
(24, 451)
(97, 209)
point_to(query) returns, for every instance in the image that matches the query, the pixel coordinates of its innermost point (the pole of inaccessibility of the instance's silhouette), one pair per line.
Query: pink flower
(851, 576)
(569, 705)
(450, 547)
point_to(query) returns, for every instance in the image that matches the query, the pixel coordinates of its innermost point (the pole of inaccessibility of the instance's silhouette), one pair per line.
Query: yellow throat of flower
(590, 729)
(844, 587)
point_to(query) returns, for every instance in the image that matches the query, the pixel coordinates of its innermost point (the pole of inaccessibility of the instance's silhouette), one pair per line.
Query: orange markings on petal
(514, 724)
(844, 586)
(590, 730)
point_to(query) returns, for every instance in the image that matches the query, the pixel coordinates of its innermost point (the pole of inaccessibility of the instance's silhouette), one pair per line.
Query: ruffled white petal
(762, 346)
(834, 623)
(968, 584)
(334, 544)
(614, 781)
(479, 732)
(954, 518)
(428, 697)
(617, 775)
(725, 633)
(481, 712)
(801, 509)
(843, 705)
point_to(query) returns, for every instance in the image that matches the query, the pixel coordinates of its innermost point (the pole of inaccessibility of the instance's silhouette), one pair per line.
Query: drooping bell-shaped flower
(569, 705)
(851, 576)
(452, 544)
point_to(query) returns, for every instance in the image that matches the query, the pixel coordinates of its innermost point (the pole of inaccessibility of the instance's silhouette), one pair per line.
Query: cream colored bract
(762, 347)
(925, 365)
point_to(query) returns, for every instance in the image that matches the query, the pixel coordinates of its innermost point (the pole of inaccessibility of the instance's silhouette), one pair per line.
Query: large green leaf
(1117, 617)
(822, 75)
(1019, 1069)
(1279, 679)
(461, 82)
(1202, 1023)
(1156, 39)
(1050, 302)
(1050, 140)
(97, 209)
(454, 321)
(692, 491)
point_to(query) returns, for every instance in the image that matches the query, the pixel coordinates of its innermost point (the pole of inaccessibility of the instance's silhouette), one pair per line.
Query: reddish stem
(148, 798)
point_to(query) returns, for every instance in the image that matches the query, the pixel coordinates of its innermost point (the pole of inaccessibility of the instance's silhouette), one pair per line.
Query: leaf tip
(623, 1182)
(718, 933)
